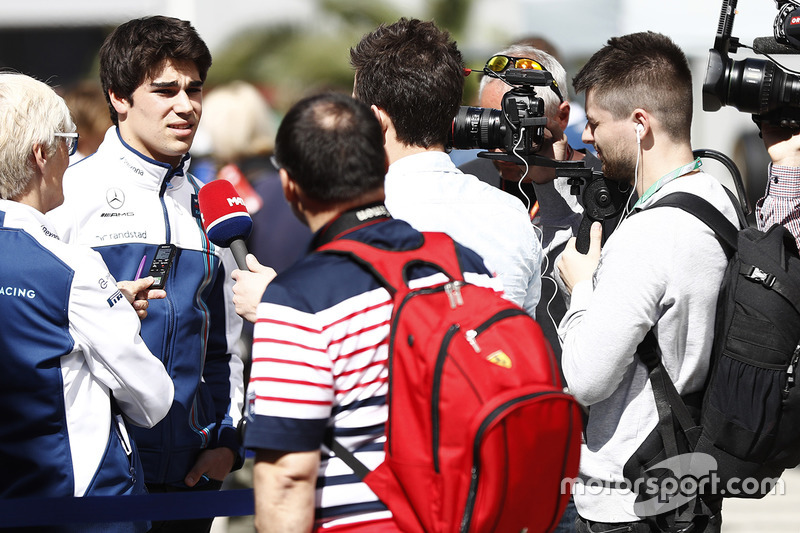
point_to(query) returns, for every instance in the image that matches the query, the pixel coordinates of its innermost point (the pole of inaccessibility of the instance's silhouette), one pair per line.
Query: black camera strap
(349, 221)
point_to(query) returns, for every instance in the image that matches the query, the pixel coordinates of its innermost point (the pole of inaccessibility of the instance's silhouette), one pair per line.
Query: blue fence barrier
(169, 506)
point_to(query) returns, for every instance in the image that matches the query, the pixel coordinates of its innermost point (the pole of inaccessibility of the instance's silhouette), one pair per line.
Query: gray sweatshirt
(661, 267)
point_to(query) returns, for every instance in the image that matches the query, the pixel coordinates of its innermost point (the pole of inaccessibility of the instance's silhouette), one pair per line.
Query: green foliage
(451, 14)
(360, 13)
(291, 61)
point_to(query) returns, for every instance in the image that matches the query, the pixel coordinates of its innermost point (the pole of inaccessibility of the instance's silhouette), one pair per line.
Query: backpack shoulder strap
(668, 401)
(391, 267)
(674, 418)
(726, 231)
(349, 458)
(703, 210)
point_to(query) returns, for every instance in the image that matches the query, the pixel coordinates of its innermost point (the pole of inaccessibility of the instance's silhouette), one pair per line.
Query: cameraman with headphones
(660, 270)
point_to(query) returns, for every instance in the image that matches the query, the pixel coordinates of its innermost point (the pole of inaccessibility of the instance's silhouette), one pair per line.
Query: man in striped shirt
(319, 367)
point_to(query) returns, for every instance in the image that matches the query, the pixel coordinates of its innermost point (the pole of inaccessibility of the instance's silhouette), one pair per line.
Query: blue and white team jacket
(124, 205)
(72, 361)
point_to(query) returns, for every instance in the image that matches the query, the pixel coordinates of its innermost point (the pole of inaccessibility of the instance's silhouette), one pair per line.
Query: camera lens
(751, 86)
(756, 86)
(478, 127)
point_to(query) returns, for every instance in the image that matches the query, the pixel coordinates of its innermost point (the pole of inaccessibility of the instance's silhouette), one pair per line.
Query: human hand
(213, 463)
(250, 286)
(783, 144)
(573, 266)
(138, 294)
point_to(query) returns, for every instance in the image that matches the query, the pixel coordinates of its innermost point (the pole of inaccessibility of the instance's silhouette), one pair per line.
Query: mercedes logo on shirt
(115, 197)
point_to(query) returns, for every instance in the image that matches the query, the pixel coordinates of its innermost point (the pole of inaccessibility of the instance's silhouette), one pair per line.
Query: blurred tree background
(289, 61)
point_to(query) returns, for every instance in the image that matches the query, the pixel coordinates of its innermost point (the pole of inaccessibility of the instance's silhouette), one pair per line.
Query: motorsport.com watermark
(691, 473)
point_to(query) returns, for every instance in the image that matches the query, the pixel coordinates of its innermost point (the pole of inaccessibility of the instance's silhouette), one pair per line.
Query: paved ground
(779, 512)
(775, 513)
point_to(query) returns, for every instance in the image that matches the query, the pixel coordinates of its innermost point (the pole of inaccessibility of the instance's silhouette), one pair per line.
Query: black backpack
(748, 419)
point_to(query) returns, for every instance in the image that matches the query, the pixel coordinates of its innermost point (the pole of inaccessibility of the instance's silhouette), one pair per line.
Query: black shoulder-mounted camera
(518, 127)
(518, 130)
(761, 87)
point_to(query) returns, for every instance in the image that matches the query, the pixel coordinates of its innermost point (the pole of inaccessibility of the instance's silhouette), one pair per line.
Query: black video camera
(757, 86)
(518, 127)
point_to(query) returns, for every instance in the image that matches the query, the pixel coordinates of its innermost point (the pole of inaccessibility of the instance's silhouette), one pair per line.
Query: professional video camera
(517, 128)
(767, 90)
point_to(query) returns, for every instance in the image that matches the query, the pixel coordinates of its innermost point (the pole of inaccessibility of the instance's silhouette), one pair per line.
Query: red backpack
(481, 434)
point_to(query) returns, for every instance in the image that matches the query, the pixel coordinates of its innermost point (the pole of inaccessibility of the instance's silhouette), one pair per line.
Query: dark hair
(332, 146)
(646, 70)
(137, 49)
(414, 72)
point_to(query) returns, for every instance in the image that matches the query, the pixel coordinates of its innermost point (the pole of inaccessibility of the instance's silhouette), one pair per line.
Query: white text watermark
(674, 482)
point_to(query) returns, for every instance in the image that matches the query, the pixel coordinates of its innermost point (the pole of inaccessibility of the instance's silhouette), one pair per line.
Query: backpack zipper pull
(471, 336)
(791, 371)
(453, 291)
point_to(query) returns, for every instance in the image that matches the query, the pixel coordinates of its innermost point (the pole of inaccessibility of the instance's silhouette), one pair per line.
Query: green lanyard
(666, 178)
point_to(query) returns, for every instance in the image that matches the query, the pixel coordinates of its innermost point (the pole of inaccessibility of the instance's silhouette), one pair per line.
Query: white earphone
(639, 130)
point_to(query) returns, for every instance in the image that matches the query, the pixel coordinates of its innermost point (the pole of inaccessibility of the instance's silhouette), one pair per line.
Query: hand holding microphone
(228, 224)
(225, 218)
(250, 286)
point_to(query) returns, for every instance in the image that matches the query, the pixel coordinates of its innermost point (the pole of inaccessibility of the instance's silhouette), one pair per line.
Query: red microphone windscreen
(223, 212)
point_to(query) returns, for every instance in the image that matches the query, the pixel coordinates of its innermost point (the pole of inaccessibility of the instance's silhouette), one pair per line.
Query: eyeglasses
(71, 140)
(501, 63)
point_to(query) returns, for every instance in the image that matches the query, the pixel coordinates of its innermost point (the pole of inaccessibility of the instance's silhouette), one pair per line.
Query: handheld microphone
(225, 218)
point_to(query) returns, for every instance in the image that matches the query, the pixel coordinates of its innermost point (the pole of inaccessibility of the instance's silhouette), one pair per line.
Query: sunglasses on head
(500, 63)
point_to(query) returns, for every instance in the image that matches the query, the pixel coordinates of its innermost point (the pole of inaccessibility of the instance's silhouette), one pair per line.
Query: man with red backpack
(321, 339)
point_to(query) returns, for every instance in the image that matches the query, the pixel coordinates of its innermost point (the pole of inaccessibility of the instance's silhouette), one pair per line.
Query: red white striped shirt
(781, 203)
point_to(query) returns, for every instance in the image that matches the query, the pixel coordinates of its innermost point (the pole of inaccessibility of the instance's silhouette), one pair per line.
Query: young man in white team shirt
(135, 195)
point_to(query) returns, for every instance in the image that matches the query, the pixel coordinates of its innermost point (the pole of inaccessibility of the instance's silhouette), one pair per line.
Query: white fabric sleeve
(106, 330)
(606, 322)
